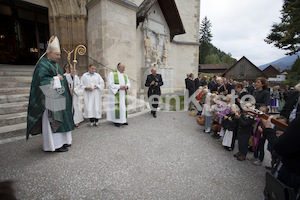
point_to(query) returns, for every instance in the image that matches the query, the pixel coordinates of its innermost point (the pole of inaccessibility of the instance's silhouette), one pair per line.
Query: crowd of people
(234, 110)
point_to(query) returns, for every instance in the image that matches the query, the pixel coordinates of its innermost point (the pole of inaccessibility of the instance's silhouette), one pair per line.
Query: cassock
(46, 92)
(77, 116)
(113, 90)
(92, 99)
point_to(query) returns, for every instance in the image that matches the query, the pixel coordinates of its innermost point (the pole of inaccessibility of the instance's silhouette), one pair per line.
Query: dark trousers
(260, 151)
(233, 140)
(93, 120)
(243, 139)
(154, 104)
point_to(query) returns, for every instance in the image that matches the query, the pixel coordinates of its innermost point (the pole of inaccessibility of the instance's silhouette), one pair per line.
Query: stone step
(16, 130)
(11, 119)
(11, 131)
(10, 108)
(14, 98)
(17, 90)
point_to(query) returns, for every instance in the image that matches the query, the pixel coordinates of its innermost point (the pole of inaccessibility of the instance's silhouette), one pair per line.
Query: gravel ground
(164, 158)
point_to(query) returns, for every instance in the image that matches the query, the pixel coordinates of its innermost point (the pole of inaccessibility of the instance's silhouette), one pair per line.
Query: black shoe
(125, 123)
(67, 145)
(62, 149)
(117, 124)
(154, 115)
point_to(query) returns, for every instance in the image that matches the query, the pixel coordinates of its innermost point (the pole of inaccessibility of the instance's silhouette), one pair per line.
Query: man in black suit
(198, 81)
(154, 81)
(212, 85)
(191, 87)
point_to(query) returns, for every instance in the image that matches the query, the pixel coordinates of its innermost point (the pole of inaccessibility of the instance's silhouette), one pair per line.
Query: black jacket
(290, 103)
(198, 83)
(190, 86)
(154, 89)
(243, 93)
(230, 125)
(244, 124)
(287, 145)
(212, 86)
(262, 98)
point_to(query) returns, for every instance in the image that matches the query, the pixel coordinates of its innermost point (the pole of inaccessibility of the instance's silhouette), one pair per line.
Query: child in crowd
(258, 139)
(279, 132)
(243, 132)
(229, 125)
(207, 112)
(224, 109)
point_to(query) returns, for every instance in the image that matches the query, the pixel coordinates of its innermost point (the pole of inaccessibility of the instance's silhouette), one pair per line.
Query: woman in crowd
(261, 94)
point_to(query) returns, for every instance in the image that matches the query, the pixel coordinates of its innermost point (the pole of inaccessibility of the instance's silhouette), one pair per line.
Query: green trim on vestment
(117, 95)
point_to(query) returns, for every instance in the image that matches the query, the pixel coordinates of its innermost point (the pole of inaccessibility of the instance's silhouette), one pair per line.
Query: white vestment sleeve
(83, 82)
(100, 83)
(110, 83)
(56, 82)
(77, 85)
(128, 83)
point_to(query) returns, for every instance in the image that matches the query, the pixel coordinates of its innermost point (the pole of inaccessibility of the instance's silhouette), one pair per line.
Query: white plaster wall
(120, 39)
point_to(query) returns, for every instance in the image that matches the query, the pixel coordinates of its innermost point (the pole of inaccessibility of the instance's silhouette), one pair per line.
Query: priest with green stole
(118, 84)
(50, 102)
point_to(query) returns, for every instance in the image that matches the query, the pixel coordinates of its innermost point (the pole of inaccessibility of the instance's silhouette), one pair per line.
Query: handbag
(227, 140)
(275, 189)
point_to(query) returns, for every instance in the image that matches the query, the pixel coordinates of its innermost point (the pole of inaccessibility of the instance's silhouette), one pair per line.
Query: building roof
(213, 66)
(170, 11)
(272, 66)
(238, 62)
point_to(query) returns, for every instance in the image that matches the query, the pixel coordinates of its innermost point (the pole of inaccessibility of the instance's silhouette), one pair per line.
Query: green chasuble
(60, 121)
(117, 95)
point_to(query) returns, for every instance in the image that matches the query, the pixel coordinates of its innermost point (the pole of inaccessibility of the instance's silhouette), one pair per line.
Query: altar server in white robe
(77, 109)
(93, 84)
(118, 84)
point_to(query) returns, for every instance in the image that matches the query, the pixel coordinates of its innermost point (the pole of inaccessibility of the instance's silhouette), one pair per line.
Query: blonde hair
(297, 87)
(234, 107)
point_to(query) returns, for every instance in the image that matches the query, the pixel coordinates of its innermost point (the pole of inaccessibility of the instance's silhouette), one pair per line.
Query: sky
(239, 27)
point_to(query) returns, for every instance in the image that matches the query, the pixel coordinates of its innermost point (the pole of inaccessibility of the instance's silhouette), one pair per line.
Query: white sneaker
(252, 159)
(92, 123)
(96, 123)
(257, 162)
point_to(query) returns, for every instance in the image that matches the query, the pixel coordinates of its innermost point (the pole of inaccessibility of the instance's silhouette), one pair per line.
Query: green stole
(117, 95)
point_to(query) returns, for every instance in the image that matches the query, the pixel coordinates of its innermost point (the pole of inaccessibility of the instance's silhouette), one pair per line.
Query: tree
(293, 76)
(212, 59)
(286, 34)
(204, 39)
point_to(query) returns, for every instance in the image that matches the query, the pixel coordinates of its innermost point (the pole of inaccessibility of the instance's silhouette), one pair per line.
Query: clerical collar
(91, 74)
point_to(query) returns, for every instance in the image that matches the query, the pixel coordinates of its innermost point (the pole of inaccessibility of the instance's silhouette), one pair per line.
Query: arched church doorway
(24, 31)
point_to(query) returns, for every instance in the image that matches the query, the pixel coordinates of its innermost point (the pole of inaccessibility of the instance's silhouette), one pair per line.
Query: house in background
(216, 69)
(279, 77)
(272, 71)
(242, 70)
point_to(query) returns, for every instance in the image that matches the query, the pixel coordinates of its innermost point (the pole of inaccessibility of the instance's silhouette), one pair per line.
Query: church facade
(141, 34)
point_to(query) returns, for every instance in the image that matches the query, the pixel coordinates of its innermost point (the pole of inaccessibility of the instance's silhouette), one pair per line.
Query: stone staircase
(15, 84)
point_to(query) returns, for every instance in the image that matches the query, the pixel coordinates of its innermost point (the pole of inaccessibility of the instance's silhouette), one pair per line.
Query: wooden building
(242, 70)
(272, 71)
(216, 69)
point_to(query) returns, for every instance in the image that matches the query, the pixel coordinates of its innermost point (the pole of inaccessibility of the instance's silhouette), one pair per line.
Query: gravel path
(164, 158)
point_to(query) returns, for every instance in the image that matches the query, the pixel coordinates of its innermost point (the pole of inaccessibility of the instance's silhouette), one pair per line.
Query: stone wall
(112, 36)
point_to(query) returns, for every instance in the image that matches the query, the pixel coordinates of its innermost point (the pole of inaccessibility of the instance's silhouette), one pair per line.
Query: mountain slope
(283, 63)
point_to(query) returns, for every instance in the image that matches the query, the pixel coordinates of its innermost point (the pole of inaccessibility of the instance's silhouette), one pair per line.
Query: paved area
(164, 158)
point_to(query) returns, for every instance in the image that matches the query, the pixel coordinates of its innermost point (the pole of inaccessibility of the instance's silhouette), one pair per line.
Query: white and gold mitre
(53, 45)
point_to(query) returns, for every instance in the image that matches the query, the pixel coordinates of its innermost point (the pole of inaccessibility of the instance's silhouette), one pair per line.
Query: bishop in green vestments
(50, 102)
